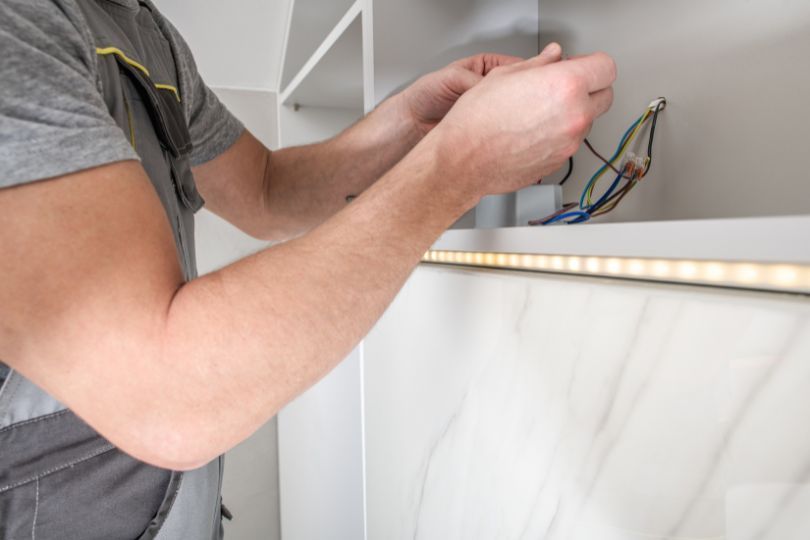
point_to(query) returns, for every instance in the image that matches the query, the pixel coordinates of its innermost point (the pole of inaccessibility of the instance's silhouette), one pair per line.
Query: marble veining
(505, 405)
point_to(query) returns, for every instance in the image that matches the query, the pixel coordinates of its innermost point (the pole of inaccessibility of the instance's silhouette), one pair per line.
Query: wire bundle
(633, 169)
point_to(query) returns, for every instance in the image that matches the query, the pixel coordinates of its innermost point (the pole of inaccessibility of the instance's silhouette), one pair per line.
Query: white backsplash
(507, 405)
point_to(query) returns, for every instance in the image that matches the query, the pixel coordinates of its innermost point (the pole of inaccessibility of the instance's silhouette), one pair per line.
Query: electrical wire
(658, 109)
(542, 221)
(570, 171)
(600, 157)
(633, 170)
(579, 217)
(627, 139)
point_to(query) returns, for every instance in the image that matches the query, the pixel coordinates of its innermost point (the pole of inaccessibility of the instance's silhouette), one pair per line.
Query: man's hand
(430, 98)
(523, 121)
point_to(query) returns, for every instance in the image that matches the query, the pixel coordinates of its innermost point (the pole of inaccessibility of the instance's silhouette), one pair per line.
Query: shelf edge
(337, 32)
(766, 239)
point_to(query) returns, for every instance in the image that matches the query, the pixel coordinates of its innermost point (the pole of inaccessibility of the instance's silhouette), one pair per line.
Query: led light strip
(793, 278)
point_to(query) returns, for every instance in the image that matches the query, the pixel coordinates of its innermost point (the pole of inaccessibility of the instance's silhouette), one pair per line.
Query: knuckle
(579, 122)
(610, 64)
(572, 86)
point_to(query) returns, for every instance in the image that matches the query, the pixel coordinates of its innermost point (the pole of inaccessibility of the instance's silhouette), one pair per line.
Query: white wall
(236, 43)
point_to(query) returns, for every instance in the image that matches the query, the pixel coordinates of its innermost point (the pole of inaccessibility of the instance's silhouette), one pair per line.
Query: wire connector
(654, 104)
(634, 165)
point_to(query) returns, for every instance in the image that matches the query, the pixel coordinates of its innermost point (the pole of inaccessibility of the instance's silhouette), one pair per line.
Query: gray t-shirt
(53, 119)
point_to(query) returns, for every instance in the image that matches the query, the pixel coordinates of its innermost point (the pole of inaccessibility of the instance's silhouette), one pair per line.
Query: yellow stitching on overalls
(120, 54)
(169, 87)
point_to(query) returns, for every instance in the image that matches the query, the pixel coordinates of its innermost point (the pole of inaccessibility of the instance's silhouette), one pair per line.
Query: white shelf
(310, 22)
(765, 240)
(333, 75)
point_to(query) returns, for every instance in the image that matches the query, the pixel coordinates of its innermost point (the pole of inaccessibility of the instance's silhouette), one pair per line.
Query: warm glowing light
(636, 267)
(687, 270)
(613, 266)
(661, 269)
(574, 264)
(785, 275)
(747, 273)
(541, 262)
(790, 277)
(714, 271)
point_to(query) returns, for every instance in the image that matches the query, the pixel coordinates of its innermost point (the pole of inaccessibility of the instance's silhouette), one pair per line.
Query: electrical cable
(633, 169)
(595, 207)
(542, 221)
(627, 138)
(599, 156)
(658, 109)
(579, 217)
(570, 171)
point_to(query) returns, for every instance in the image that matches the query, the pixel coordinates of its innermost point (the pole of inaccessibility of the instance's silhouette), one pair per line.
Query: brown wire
(601, 157)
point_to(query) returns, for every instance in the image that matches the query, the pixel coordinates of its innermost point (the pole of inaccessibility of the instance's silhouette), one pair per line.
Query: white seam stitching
(101, 450)
(36, 513)
(34, 420)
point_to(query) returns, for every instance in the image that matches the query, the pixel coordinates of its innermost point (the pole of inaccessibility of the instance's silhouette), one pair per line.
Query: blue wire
(580, 217)
(606, 195)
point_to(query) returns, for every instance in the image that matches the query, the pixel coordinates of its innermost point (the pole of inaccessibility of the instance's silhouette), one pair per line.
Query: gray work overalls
(59, 479)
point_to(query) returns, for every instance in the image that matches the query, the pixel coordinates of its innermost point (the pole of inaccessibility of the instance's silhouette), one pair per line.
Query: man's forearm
(247, 339)
(304, 186)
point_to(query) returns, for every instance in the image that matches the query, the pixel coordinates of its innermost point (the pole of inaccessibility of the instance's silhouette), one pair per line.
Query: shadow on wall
(522, 36)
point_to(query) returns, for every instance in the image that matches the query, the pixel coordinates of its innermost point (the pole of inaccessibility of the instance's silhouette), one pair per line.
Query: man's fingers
(462, 80)
(551, 54)
(601, 101)
(597, 70)
(484, 63)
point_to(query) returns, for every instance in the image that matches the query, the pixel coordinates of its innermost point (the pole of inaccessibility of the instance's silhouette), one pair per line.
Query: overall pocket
(60, 479)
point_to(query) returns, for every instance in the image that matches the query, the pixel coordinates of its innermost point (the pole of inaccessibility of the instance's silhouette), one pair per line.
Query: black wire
(570, 171)
(658, 109)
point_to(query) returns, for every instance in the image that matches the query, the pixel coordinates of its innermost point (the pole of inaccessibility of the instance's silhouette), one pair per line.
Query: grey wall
(733, 140)
(414, 37)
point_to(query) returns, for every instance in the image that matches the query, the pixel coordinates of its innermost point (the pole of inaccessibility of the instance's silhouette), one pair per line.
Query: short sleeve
(53, 119)
(212, 127)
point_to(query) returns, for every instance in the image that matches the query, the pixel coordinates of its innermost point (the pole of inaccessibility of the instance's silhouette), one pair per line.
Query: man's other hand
(523, 121)
(431, 97)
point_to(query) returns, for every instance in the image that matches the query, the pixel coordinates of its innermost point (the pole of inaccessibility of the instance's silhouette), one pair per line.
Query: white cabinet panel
(512, 406)
(321, 459)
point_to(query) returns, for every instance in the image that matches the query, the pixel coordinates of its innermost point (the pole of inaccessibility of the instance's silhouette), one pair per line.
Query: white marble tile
(518, 406)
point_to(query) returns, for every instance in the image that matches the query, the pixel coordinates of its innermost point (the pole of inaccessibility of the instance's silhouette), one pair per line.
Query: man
(124, 368)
